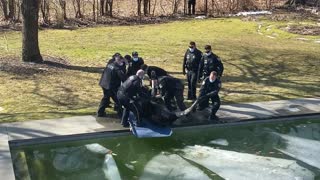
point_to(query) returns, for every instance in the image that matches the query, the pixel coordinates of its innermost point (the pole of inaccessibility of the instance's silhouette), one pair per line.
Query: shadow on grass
(73, 67)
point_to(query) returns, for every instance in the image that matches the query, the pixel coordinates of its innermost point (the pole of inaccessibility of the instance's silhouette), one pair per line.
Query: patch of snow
(271, 37)
(221, 142)
(253, 13)
(200, 17)
(303, 39)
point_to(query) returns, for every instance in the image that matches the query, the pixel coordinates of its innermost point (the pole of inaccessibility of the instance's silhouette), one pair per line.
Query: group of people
(122, 81)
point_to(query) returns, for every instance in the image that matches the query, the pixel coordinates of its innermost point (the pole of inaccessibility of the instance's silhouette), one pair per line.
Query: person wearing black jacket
(110, 81)
(157, 71)
(171, 88)
(210, 62)
(131, 94)
(191, 62)
(209, 90)
(135, 63)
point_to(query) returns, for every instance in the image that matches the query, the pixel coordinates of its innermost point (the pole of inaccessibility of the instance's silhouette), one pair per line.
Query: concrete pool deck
(88, 124)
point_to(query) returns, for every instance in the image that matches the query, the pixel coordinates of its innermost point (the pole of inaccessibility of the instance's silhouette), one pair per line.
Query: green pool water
(283, 150)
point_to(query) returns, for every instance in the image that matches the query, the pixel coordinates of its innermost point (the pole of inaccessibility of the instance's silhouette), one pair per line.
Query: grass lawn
(262, 63)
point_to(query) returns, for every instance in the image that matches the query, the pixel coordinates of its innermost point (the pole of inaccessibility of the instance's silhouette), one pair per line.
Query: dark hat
(134, 53)
(192, 43)
(127, 57)
(207, 47)
(116, 54)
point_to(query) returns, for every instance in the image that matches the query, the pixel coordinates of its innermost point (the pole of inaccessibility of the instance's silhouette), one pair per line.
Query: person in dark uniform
(135, 63)
(130, 95)
(191, 5)
(190, 67)
(209, 90)
(158, 71)
(171, 88)
(110, 81)
(210, 62)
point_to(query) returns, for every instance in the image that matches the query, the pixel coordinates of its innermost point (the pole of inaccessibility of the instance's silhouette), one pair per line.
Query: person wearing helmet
(134, 64)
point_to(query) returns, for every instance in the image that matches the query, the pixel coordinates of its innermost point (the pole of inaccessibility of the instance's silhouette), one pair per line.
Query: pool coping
(126, 132)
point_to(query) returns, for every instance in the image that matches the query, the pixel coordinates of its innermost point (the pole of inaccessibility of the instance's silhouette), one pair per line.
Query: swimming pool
(282, 150)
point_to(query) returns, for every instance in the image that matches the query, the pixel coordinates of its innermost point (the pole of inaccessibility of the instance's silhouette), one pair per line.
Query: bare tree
(4, 4)
(109, 7)
(12, 9)
(30, 42)
(45, 10)
(63, 6)
(77, 8)
(139, 7)
(146, 7)
(102, 6)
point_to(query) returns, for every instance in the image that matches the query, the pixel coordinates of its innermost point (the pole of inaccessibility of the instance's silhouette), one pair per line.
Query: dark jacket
(134, 66)
(132, 87)
(112, 76)
(191, 61)
(159, 71)
(209, 87)
(210, 63)
(169, 85)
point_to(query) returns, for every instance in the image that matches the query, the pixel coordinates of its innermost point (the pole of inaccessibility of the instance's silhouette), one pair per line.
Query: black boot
(213, 118)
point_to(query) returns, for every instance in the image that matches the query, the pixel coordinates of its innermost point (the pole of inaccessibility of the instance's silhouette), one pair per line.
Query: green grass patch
(257, 67)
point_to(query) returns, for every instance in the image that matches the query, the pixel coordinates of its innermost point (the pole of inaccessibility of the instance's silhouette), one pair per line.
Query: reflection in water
(262, 151)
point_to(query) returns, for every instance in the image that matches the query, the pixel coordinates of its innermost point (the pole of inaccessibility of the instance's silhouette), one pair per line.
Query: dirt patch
(73, 23)
(15, 66)
(303, 29)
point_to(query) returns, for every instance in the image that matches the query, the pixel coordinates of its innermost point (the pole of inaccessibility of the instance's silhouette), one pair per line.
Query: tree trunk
(4, 4)
(45, 10)
(102, 12)
(11, 9)
(94, 10)
(139, 7)
(30, 43)
(64, 8)
(146, 7)
(206, 7)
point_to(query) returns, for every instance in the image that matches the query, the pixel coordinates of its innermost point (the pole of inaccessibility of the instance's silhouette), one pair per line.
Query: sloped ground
(257, 67)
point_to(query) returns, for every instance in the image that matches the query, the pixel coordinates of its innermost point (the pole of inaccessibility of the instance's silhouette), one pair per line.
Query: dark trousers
(133, 106)
(178, 96)
(204, 103)
(192, 84)
(191, 5)
(105, 101)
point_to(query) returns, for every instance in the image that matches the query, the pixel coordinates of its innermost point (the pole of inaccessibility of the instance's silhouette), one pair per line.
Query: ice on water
(243, 166)
(305, 150)
(171, 167)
